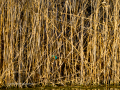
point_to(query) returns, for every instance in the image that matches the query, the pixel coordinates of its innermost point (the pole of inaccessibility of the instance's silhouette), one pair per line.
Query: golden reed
(84, 35)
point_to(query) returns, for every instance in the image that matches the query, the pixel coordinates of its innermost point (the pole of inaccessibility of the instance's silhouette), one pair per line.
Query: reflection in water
(64, 88)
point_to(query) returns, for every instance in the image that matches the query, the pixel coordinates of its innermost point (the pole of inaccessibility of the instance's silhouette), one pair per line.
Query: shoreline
(50, 85)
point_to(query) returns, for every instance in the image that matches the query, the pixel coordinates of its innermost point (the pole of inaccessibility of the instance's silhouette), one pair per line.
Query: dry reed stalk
(65, 47)
(48, 62)
(12, 43)
(81, 45)
(1, 23)
(106, 35)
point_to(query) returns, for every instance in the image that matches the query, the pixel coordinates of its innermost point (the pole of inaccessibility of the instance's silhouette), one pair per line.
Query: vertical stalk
(48, 62)
(91, 25)
(115, 46)
(106, 38)
(81, 44)
(19, 46)
(65, 50)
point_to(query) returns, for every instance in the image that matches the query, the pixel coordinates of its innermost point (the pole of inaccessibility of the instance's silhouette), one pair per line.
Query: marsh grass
(84, 35)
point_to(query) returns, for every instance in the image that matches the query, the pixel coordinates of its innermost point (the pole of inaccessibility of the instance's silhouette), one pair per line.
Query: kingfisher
(55, 57)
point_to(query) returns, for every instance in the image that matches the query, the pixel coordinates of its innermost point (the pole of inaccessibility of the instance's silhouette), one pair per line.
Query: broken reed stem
(84, 35)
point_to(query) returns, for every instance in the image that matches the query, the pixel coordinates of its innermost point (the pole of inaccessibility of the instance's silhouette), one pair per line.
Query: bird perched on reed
(55, 57)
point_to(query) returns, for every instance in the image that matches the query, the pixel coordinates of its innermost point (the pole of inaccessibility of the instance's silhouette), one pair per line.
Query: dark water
(66, 88)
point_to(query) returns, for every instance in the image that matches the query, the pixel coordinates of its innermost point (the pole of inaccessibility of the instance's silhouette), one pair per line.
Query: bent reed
(84, 35)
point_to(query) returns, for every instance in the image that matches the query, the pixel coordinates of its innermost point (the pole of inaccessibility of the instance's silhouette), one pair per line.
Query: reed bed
(83, 34)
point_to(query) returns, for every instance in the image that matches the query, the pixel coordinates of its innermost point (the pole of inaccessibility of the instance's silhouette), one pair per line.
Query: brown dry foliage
(83, 34)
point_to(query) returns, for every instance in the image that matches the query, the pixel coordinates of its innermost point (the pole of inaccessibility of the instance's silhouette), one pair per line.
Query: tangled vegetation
(83, 35)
